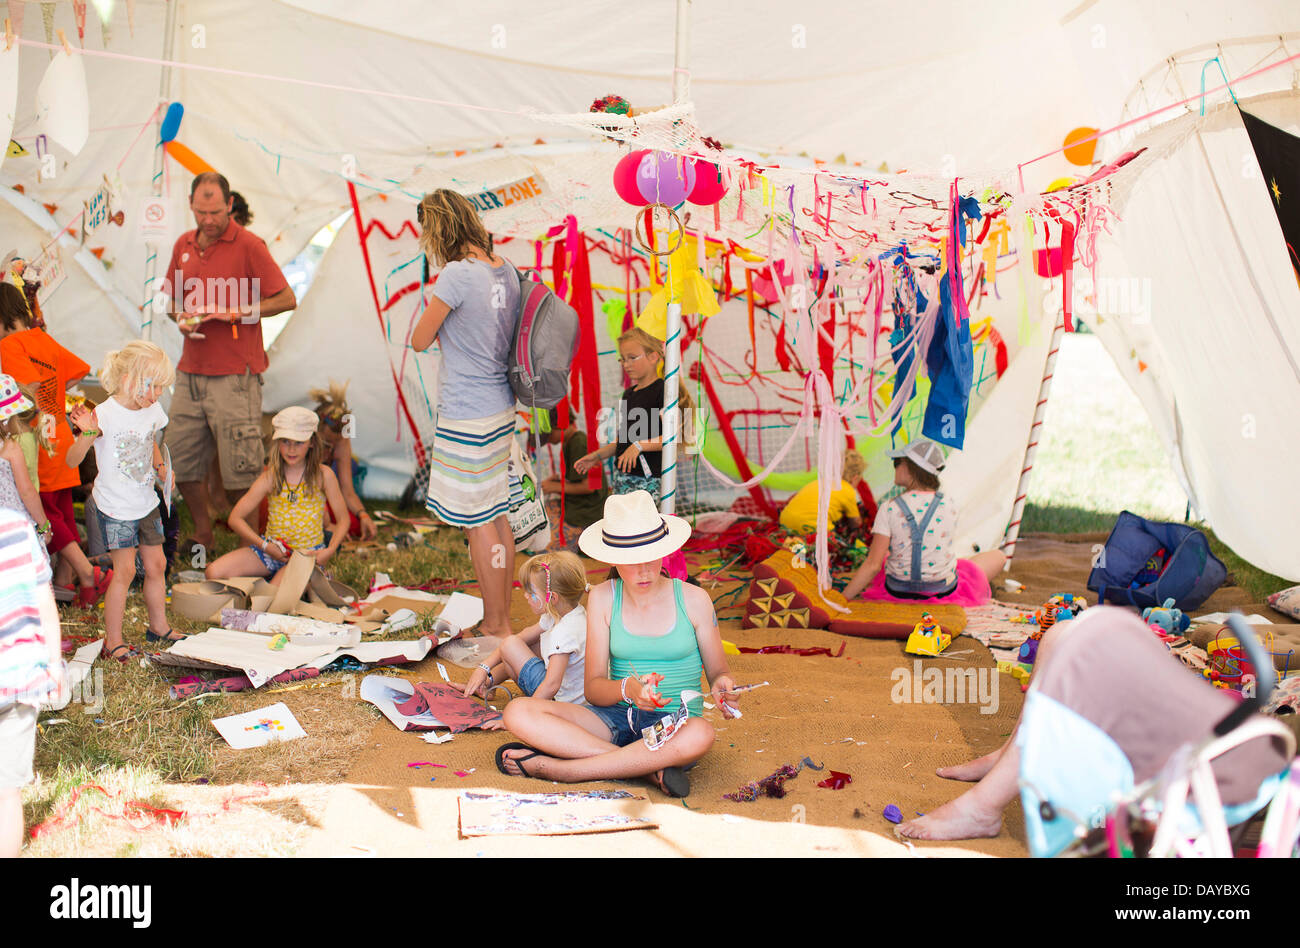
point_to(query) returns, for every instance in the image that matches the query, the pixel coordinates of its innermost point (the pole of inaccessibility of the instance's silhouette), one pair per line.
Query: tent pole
(673, 336)
(159, 156)
(1031, 449)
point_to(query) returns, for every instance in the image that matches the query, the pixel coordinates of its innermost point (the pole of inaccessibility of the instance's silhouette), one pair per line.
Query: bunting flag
(16, 10)
(1278, 153)
(79, 11)
(47, 16)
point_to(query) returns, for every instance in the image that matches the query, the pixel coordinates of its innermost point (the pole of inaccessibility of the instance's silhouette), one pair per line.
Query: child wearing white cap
(299, 487)
(912, 537)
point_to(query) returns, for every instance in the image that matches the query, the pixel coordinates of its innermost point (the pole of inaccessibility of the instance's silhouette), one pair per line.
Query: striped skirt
(467, 469)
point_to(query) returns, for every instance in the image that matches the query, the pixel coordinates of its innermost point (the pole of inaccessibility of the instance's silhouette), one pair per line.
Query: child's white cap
(295, 424)
(924, 453)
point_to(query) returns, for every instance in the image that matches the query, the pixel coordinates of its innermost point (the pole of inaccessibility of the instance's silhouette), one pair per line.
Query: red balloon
(625, 178)
(711, 183)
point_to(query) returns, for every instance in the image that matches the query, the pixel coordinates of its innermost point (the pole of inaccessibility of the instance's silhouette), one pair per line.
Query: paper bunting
(79, 11)
(62, 103)
(47, 16)
(15, 150)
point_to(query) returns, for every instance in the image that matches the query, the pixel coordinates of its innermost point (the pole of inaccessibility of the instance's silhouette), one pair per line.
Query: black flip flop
(674, 782)
(171, 635)
(518, 761)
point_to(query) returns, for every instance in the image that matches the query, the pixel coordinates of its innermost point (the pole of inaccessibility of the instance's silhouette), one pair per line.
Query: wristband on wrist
(624, 689)
(488, 670)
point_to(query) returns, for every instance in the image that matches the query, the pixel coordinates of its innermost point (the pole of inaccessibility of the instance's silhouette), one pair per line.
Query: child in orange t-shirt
(33, 358)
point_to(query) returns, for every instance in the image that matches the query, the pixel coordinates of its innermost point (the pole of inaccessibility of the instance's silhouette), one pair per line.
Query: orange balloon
(187, 159)
(1081, 153)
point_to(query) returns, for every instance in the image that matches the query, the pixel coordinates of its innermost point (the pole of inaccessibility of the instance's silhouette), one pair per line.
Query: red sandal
(87, 596)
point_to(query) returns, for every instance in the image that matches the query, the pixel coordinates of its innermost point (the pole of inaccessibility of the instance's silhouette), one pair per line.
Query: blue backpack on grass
(1190, 574)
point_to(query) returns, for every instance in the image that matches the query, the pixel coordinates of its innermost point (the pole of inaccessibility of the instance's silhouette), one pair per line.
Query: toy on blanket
(1151, 570)
(927, 638)
(1059, 608)
(1171, 620)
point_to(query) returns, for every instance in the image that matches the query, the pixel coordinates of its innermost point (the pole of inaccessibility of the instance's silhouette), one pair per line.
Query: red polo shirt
(236, 270)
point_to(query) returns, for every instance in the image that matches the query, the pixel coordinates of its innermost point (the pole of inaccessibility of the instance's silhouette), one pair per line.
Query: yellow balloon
(1060, 183)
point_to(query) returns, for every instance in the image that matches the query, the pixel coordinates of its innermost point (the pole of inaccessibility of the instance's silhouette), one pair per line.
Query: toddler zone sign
(507, 194)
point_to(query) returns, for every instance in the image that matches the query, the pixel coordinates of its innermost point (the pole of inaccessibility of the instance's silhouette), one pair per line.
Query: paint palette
(260, 727)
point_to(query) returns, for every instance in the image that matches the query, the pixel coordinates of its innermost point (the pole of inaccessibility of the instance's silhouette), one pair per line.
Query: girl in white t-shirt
(912, 537)
(125, 431)
(546, 660)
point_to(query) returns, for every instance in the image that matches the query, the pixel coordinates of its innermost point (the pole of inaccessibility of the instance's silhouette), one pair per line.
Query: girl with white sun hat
(649, 638)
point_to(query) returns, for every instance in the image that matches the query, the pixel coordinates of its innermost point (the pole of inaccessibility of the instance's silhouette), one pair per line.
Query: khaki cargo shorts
(221, 413)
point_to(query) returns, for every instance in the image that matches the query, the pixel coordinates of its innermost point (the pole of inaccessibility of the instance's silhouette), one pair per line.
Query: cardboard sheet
(551, 814)
(249, 653)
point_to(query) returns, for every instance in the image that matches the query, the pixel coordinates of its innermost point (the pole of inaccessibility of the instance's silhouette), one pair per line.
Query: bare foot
(972, 770)
(957, 819)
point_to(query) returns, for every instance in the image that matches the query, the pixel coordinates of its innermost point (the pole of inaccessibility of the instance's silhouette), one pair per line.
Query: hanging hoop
(681, 231)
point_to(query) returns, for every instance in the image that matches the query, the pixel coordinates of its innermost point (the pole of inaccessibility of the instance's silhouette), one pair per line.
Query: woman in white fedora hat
(648, 640)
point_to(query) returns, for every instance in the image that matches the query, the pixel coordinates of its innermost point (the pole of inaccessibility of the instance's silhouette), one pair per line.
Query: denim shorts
(273, 565)
(531, 675)
(129, 534)
(615, 718)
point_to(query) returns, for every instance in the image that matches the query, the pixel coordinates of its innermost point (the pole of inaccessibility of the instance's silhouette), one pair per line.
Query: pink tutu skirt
(972, 588)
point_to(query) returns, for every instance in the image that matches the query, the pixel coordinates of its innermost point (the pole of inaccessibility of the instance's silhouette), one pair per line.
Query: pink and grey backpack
(546, 338)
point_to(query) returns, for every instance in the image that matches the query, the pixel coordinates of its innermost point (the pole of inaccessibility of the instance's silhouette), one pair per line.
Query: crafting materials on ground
(299, 630)
(468, 652)
(836, 781)
(247, 652)
(260, 727)
(77, 671)
(234, 683)
(564, 813)
(422, 706)
(773, 785)
(131, 810)
(790, 650)
(461, 612)
(893, 814)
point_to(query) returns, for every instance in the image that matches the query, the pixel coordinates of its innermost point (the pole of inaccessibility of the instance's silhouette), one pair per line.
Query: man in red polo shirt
(223, 283)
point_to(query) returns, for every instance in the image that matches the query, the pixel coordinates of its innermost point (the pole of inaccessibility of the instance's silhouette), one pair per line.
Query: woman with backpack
(472, 316)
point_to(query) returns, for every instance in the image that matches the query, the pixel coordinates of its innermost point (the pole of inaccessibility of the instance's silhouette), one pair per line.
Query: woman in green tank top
(649, 639)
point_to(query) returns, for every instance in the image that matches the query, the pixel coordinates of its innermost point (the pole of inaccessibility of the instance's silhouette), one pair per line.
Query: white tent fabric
(945, 89)
(1223, 331)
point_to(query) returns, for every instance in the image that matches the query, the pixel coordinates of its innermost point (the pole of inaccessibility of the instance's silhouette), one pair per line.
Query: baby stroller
(1126, 752)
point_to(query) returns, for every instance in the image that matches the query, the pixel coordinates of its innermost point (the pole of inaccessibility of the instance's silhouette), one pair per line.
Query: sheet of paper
(1221, 618)
(461, 612)
(551, 814)
(386, 693)
(257, 728)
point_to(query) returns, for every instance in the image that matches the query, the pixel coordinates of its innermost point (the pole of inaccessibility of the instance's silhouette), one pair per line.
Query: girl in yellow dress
(298, 487)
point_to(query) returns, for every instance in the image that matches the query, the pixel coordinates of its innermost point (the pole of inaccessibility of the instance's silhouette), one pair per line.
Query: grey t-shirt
(476, 338)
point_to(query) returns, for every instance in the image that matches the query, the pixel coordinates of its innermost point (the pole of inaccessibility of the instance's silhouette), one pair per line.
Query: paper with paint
(77, 672)
(551, 814)
(423, 706)
(258, 728)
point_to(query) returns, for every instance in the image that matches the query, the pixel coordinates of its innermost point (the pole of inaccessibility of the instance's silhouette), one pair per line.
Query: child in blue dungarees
(913, 535)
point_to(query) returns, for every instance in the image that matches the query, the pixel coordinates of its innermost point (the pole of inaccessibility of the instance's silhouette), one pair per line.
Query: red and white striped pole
(1031, 449)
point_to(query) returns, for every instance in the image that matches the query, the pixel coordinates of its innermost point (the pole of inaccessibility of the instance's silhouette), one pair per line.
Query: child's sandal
(171, 635)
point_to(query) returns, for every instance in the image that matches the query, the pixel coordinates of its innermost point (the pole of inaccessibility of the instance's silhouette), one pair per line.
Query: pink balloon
(625, 177)
(665, 178)
(710, 184)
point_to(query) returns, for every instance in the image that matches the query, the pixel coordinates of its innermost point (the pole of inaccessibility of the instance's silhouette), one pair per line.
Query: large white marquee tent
(296, 101)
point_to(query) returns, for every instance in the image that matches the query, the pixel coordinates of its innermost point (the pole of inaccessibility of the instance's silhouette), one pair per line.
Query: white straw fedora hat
(633, 531)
